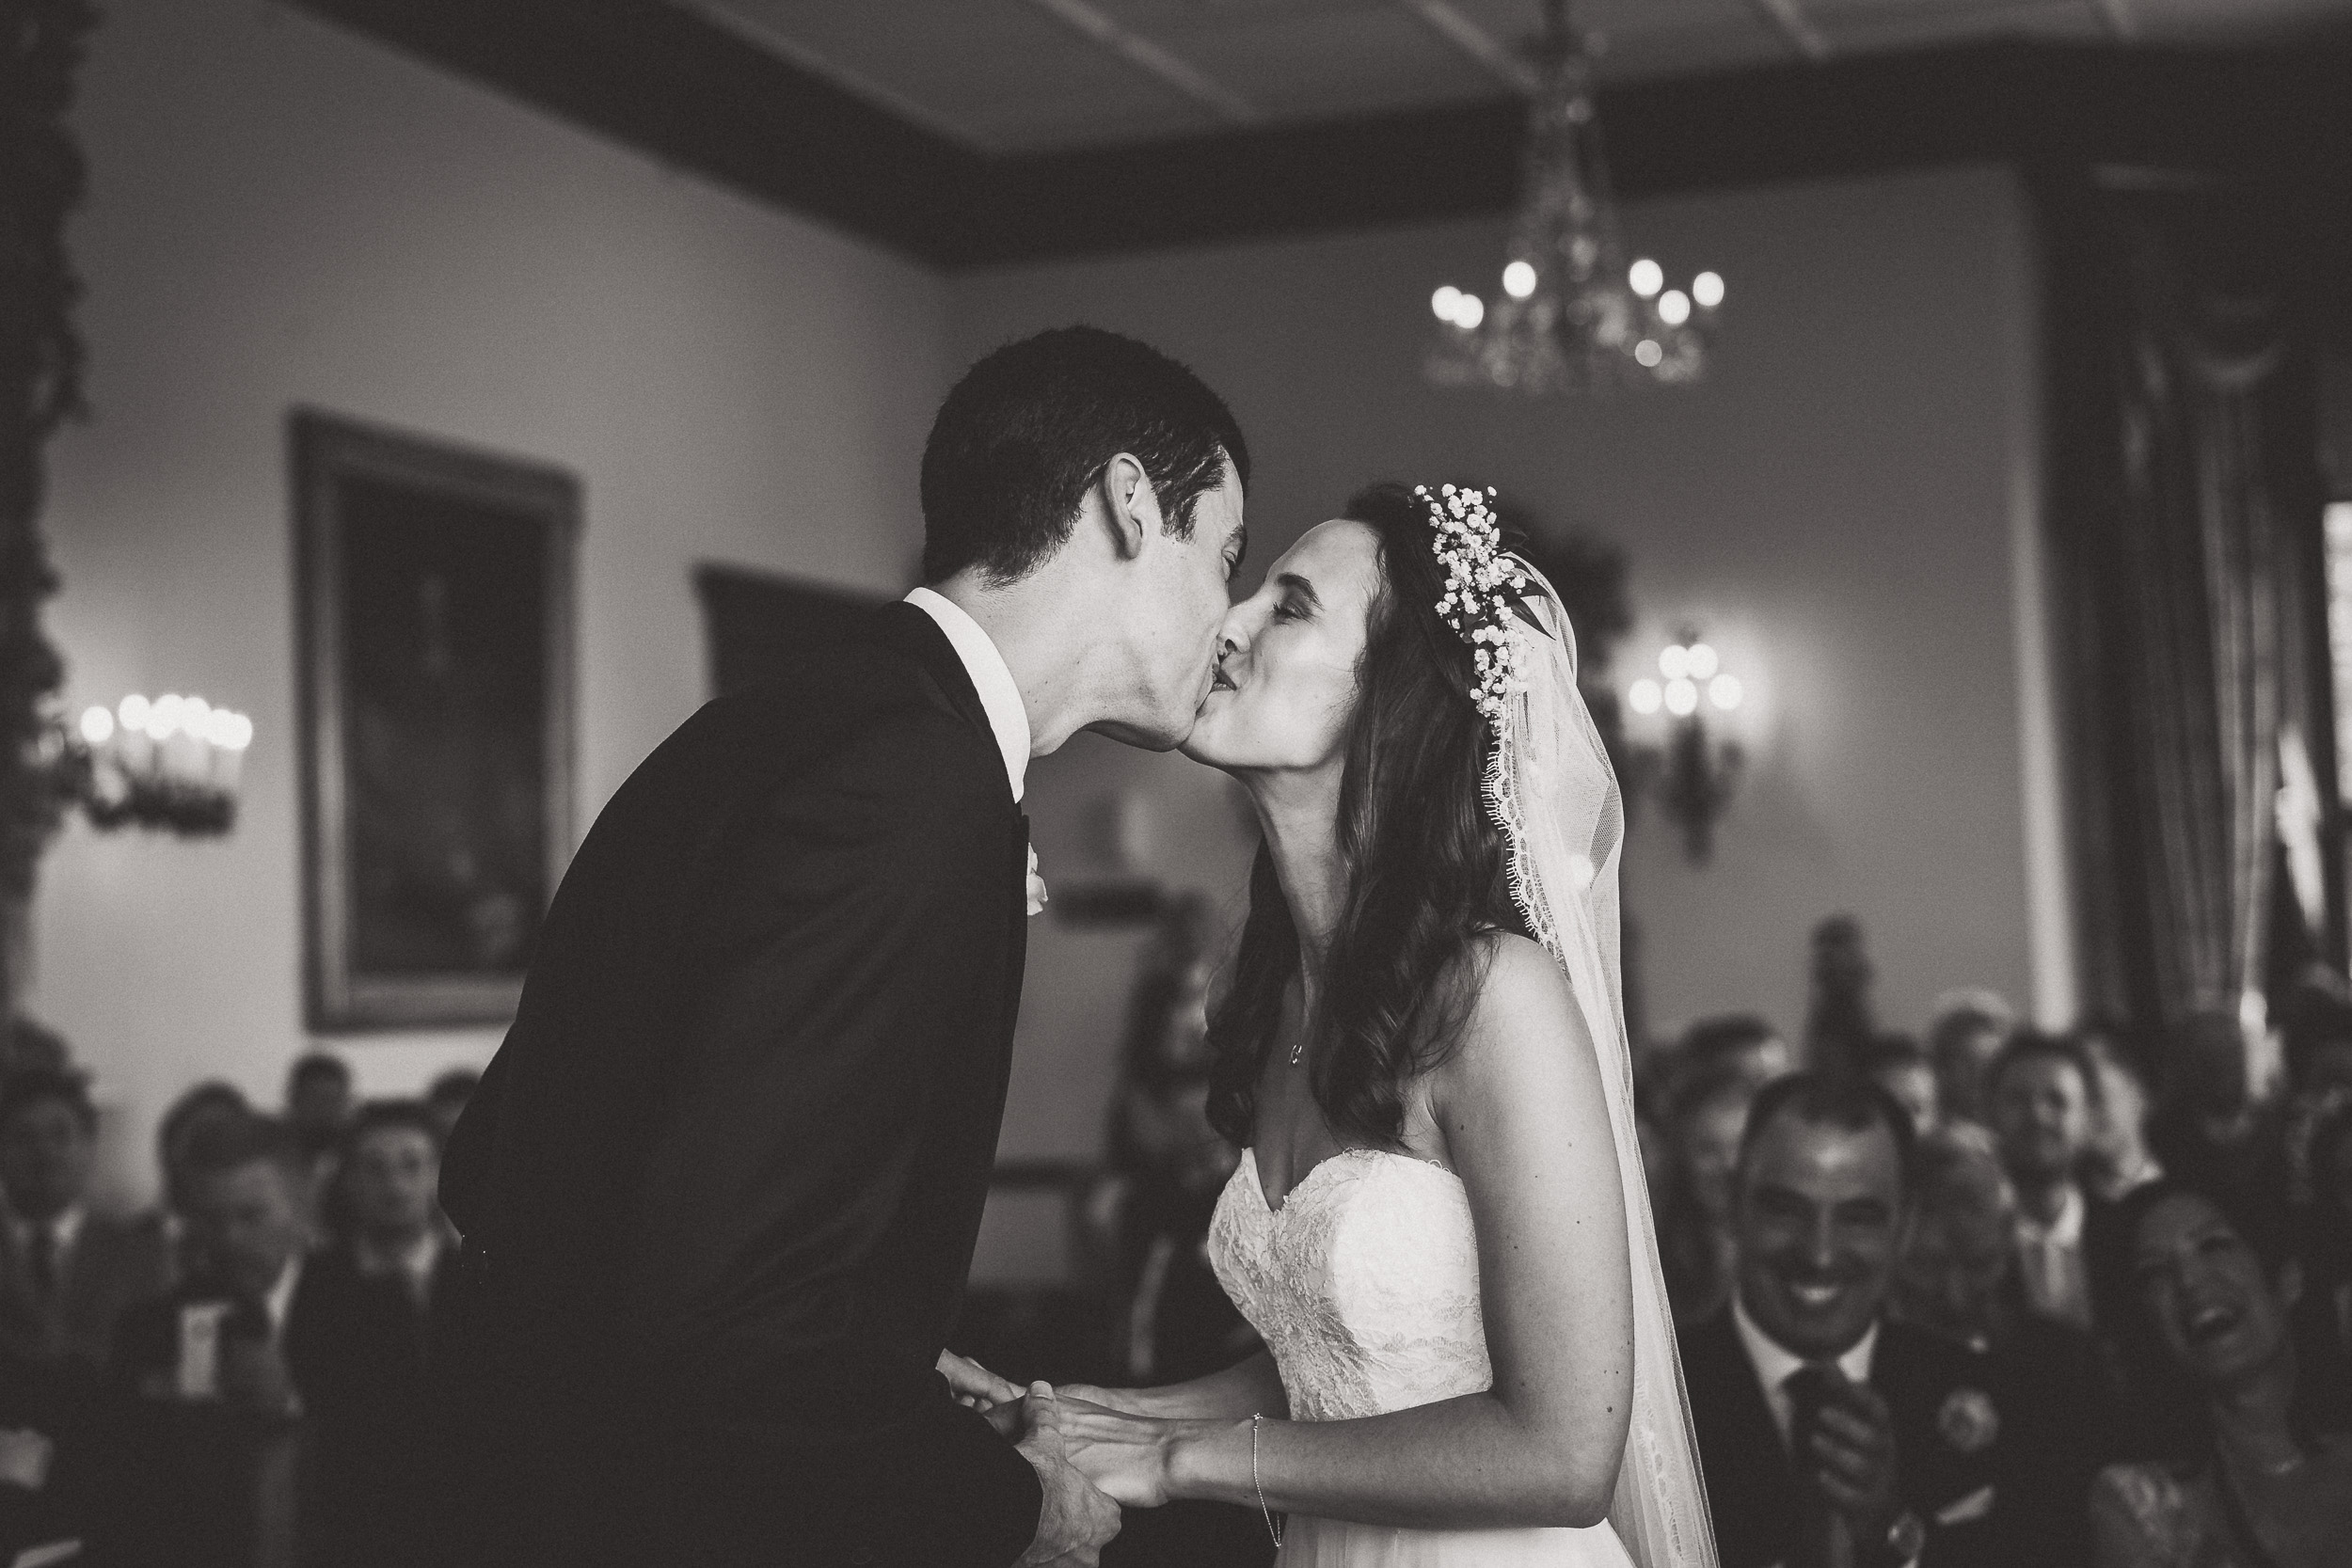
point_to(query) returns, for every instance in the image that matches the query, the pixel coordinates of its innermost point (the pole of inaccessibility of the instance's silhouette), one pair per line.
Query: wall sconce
(1688, 770)
(173, 764)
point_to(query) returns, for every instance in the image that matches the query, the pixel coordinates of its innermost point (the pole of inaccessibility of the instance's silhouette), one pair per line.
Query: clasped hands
(1120, 1451)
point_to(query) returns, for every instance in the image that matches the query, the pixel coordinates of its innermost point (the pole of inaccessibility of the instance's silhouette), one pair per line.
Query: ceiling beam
(1788, 20)
(1499, 60)
(1087, 19)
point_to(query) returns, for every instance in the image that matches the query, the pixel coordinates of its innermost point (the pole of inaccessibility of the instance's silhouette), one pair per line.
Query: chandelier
(1573, 314)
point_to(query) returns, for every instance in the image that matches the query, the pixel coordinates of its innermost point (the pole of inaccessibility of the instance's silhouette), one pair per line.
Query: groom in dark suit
(1831, 1435)
(720, 1187)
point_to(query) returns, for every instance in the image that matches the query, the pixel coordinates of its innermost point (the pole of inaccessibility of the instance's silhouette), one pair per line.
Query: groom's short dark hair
(1030, 427)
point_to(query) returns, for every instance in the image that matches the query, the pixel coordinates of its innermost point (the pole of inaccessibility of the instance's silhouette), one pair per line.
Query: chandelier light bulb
(1682, 698)
(1702, 662)
(1646, 278)
(1647, 353)
(1675, 662)
(132, 712)
(1708, 289)
(1469, 312)
(1519, 280)
(1644, 696)
(163, 719)
(1726, 692)
(1673, 308)
(1446, 304)
(98, 725)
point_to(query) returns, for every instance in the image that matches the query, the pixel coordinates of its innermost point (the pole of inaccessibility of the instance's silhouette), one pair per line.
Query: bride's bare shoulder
(1522, 1004)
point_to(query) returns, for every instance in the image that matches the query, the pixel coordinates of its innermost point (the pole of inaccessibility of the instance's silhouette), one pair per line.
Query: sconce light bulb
(133, 711)
(163, 717)
(98, 726)
(1708, 289)
(1682, 698)
(1646, 354)
(1519, 280)
(1469, 312)
(234, 732)
(1446, 304)
(1726, 692)
(1644, 697)
(1675, 663)
(1702, 662)
(1646, 278)
(1673, 308)
(196, 717)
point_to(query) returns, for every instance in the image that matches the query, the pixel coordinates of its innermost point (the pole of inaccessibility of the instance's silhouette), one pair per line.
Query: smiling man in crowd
(1829, 1433)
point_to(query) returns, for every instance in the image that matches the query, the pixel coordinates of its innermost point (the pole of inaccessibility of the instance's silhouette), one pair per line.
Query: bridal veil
(1553, 792)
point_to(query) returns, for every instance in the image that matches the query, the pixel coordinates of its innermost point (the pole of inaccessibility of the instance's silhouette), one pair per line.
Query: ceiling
(1012, 76)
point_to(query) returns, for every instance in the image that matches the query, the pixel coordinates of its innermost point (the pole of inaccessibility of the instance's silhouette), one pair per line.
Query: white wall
(1833, 503)
(282, 213)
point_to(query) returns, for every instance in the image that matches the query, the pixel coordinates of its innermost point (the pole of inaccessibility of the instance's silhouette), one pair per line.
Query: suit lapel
(1748, 1474)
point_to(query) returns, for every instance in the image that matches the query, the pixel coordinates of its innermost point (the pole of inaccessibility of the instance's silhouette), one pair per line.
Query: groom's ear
(1130, 508)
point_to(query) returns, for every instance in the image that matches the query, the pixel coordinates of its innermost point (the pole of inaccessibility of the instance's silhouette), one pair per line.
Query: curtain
(2185, 528)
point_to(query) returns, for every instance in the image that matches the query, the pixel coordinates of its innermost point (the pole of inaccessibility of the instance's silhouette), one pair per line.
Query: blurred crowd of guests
(236, 1375)
(1997, 1297)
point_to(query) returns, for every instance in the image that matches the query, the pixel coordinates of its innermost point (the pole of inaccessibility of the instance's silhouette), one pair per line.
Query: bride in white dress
(1438, 1226)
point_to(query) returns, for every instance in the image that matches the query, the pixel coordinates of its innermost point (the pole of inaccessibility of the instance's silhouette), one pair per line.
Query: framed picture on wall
(434, 662)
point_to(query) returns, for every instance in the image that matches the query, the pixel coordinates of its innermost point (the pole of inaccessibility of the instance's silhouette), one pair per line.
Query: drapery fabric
(2185, 527)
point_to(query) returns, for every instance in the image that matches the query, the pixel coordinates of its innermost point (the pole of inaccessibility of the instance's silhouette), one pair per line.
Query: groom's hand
(1075, 1520)
(974, 1384)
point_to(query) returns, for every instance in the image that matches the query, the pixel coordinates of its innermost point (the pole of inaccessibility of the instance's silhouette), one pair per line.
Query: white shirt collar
(2064, 1231)
(1000, 697)
(281, 1298)
(1773, 1362)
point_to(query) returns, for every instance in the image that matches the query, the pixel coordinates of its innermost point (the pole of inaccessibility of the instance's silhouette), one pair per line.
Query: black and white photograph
(1176, 784)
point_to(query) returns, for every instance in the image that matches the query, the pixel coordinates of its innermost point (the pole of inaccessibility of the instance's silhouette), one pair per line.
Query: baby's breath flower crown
(1482, 584)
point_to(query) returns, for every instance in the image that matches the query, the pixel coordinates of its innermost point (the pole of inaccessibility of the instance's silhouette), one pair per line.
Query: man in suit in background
(1832, 1435)
(719, 1188)
(66, 1272)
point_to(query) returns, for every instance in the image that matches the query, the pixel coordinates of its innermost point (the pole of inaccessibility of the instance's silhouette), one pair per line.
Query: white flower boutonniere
(1037, 886)
(1968, 1420)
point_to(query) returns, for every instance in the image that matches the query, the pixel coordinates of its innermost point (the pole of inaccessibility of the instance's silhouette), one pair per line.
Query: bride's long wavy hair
(1424, 868)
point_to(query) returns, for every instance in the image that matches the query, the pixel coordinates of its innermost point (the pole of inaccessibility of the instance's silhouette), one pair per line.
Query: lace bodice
(1364, 1284)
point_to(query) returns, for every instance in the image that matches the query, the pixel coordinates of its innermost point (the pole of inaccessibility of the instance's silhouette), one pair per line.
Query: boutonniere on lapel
(1968, 1420)
(1037, 886)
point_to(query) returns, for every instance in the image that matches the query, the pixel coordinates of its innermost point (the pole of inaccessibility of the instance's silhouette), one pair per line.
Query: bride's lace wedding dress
(1364, 1285)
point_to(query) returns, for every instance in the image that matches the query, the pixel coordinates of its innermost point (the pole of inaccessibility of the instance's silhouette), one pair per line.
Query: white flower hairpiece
(1482, 583)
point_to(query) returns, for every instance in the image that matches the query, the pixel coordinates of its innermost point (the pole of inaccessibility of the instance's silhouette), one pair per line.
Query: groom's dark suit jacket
(721, 1185)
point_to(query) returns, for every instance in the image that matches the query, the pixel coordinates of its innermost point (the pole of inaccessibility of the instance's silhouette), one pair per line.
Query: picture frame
(435, 589)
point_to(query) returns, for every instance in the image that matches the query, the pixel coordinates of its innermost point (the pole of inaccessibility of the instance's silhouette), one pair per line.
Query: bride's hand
(1126, 1456)
(1130, 1401)
(974, 1384)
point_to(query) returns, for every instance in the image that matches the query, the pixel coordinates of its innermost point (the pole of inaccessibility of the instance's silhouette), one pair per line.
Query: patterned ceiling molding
(683, 89)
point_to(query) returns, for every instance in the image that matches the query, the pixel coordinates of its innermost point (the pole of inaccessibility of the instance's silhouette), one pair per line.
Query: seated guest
(2040, 1089)
(448, 1094)
(211, 1101)
(1900, 1066)
(318, 1104)
(2118, 1159)
(1965, 1031)
(2212, 1131)
(1695, 1212)
(219, 1429)
(1734, 1042)
(66, 1273)
(1829, 1431)
(355, 1345)
(2201, 1311)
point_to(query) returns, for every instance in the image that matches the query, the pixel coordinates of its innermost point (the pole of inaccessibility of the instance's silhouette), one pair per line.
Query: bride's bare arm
(1527, 1129)
(1233, 1394)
